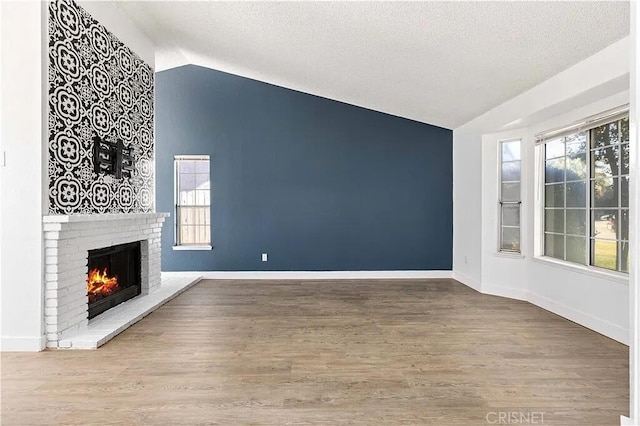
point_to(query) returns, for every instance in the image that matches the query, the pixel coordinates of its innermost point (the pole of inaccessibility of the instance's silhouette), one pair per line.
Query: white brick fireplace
(68, 240)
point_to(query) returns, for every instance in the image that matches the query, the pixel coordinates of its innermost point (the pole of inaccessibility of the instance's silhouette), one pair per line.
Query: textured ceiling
(442, 63)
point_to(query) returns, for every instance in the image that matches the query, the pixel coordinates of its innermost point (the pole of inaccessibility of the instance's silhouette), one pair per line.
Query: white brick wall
(68, 240)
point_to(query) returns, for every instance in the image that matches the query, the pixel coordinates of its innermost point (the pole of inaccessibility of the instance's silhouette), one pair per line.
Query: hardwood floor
(328, 352)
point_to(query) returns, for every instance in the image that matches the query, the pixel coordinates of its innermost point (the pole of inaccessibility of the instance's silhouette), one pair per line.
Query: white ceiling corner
(441, 63)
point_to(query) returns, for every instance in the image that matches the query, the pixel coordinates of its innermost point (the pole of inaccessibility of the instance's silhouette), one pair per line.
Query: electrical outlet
(264, 257)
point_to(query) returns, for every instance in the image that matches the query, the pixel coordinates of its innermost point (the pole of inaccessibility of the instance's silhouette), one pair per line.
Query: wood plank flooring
(418, 352)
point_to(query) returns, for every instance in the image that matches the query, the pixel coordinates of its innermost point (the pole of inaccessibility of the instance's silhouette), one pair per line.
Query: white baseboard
(315, 275)
(467, 280)
(511, 293)
(594, 323)
(626, 421)
(22, 344)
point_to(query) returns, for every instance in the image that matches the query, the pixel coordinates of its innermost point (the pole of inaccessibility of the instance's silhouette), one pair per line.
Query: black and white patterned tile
(97, 86)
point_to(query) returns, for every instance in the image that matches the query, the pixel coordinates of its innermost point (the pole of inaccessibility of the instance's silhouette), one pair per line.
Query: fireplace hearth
(113, 276)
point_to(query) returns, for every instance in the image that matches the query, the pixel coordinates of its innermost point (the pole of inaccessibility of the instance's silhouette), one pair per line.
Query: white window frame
(539, 211)
(176, 205)
(501, 203)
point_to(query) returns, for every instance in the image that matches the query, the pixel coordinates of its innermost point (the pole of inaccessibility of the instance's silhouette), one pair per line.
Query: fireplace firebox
(113, 276)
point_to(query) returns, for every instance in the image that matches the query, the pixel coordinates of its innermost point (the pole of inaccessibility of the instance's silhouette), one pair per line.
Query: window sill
(509, 255)
(187, 248)
(593, 271)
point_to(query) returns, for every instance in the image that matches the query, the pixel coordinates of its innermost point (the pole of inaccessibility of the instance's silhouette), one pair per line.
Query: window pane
(554, 195)
(186, 166)
(624, 191)
(554, 170)
(605, 192)
(604, 135)
(577, 144)
(193, 234)
(577, 250)
(204, 235)
(510, 192)
(200, 234)
(603, 223)
(182, 198)
(614, 136)
(202, 166)
(604, 162)
(554, 220)
(510, 239)
(576, 222)
(625, 159)
(187, 216)
(510, 151)
(624, 256)
(201, 218)
(510, 215)
(554, 246)
(577, 194)
(554, 149)
(202, 181)
(185, 236)
(604, 253)
(201, 198)
(576, 168)
(187, 198)
(624, 130)
(187, 182)
(511, 171)
(193, 225)
(624, 225)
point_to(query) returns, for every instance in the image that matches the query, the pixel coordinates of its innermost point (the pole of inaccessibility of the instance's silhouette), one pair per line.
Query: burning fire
(99, 284)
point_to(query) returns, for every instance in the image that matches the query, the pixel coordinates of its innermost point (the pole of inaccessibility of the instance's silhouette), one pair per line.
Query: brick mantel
(101, 217)
(68, 240)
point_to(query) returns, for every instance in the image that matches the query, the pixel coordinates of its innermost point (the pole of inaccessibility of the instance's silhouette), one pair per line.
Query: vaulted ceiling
(442, 63)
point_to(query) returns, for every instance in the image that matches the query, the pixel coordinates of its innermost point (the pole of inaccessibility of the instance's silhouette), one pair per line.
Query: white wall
(467, 200)
(22, 84)
(599, 302)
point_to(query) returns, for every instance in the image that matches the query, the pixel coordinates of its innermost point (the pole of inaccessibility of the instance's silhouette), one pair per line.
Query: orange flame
(99, 284)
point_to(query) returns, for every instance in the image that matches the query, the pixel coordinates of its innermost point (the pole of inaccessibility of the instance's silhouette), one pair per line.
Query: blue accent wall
(315, 183)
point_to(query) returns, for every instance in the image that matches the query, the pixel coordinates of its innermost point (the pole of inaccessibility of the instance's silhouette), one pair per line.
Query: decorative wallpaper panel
(97, 86)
